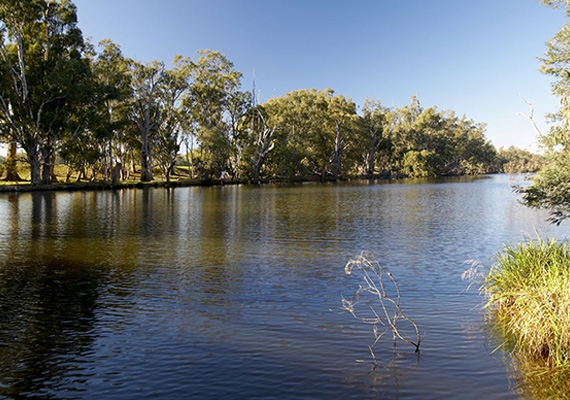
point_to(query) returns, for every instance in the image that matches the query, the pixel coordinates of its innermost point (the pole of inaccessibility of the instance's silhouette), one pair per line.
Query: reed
(528, 298)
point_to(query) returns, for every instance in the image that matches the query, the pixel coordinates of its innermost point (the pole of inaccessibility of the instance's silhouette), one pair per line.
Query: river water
(235, 292)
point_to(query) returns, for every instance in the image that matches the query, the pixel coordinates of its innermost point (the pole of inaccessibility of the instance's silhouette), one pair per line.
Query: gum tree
(44, 74)
(216, 104)
(173, 114)
(550, 188)
(145, 109)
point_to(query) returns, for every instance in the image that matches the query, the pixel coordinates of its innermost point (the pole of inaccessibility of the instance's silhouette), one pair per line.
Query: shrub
(528, 296)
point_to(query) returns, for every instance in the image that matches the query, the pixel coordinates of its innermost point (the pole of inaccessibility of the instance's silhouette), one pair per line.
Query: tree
(43, 78)
(217, 104)
(111, 71)
(514, 160)
(295, 116)
(341, 113)
(314, 131)
(258, 143)
(175, 85)
(375, 123)
(550, 188)
(145, 109)
(101, 141)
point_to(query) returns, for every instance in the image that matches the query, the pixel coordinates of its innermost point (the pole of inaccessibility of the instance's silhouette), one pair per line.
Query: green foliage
(528, 291)
(419, 164)
(557, 4)
(45, 79)
(60, 96)
(550, 188)
(216, 105)
(515, 161)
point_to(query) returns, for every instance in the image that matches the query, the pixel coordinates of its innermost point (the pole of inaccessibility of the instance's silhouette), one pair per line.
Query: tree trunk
(10, 169)
(169, 171)
(146, 167)
(265, 141)
(146, 159)
(372, 156)
(68, 174)
(35, 164)
(337, 154)
(116, 174)
(48, 174)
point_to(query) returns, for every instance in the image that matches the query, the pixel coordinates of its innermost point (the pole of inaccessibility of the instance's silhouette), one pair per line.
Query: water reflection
(48, 315)
(235, 291)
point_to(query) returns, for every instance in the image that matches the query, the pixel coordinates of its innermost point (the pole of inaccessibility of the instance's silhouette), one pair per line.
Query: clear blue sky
(473, 56)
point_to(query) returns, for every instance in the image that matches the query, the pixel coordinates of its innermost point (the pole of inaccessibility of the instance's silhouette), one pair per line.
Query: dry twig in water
(389, 315)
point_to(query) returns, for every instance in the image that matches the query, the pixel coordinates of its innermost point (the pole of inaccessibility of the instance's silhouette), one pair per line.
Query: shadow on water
(47, 317)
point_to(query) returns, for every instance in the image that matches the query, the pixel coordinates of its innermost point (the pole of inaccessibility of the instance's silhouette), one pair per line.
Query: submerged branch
(389, 315)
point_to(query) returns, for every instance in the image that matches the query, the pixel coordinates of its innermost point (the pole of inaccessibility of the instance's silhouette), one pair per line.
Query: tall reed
(528, 296)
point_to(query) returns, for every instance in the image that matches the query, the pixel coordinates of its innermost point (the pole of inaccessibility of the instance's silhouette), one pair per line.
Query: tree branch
(530, 115)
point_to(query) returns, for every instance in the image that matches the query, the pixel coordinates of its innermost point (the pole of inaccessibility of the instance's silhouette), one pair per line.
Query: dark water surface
(235, 292)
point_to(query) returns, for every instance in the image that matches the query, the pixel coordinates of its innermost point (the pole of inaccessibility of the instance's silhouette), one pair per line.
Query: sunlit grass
(528, 296)
(61, 171)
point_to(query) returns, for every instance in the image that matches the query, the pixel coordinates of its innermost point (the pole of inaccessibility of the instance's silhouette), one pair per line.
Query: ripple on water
(235, 292)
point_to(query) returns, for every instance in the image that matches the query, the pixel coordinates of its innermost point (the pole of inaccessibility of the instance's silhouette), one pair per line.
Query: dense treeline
(102, 114)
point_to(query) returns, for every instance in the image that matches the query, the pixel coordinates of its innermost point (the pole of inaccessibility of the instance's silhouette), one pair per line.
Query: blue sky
(475, 57)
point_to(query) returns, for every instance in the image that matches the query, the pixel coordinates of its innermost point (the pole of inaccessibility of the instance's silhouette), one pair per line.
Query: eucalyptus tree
(403, 133)
(215, 101)
(257, 142)
(307, 132)
(111, 72)
(173, 114)
(473, 154)
(298, 122)
(102, 138)
(514, 160)
(341, 123)
(145, 109)
(375, 129)
(239, 104)
(430, 144)
(550, 188)
(41, 60)
(10, 172)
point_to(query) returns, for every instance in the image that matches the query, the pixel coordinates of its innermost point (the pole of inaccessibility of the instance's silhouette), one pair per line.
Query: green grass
(528, 296)
(60, 171)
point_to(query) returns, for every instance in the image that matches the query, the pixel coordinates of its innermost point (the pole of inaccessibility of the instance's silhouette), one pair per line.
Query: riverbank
(100, 185)
(180, 181)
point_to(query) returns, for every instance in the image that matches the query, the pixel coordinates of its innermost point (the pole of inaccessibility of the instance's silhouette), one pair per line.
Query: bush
(528, 296)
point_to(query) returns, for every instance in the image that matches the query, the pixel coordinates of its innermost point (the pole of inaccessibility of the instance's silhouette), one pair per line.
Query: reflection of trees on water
(43, 211)
(51, 278)
(46, 323)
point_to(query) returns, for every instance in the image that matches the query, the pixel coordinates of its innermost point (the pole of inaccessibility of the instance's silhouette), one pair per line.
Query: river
(235, 292)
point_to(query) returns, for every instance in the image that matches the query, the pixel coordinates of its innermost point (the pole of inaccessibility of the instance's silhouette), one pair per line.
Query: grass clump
(528, 296)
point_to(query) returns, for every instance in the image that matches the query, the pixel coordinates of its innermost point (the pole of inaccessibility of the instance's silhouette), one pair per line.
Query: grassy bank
(528, 298)
(62, 181)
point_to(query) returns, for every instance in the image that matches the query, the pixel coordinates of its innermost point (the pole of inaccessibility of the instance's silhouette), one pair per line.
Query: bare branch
(530, 116)
(391, 316)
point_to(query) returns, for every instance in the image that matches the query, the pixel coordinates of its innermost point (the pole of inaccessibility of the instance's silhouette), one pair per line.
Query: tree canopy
(550, 188)
(64, 99)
